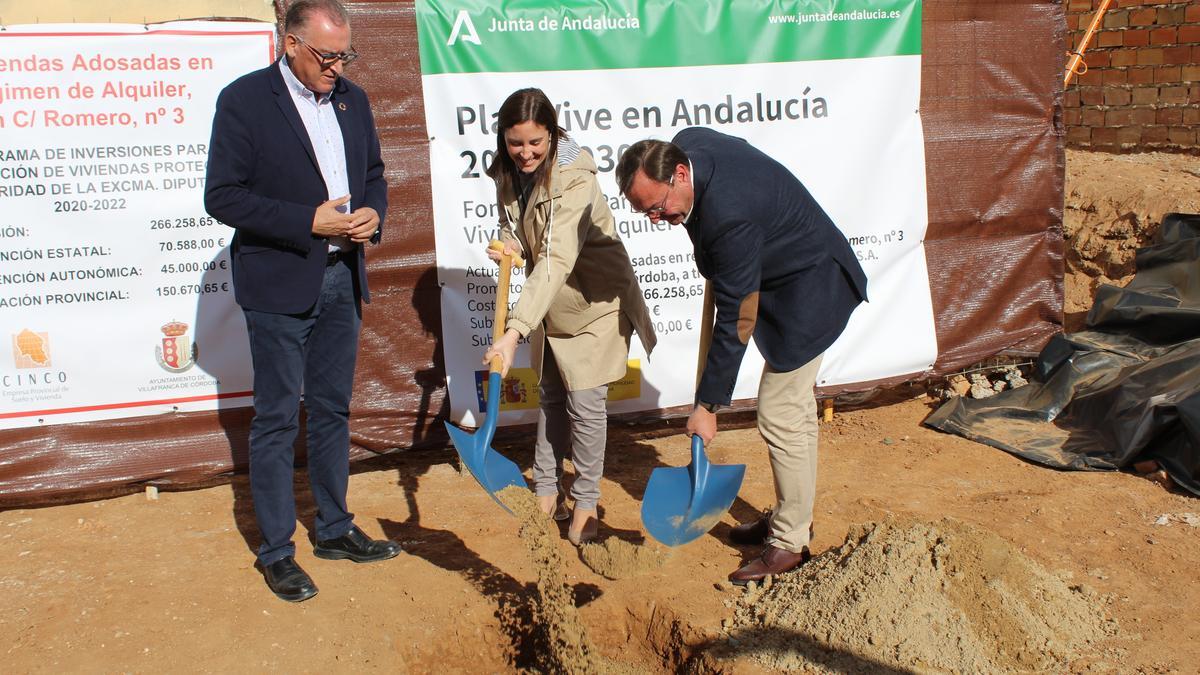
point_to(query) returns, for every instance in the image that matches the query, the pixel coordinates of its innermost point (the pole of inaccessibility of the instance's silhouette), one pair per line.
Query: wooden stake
(827, 409)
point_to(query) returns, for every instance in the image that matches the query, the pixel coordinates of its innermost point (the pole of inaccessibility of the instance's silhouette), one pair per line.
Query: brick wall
(1142, 87)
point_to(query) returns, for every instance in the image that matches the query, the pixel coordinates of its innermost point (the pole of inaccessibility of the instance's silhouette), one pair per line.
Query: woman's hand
(509, 250)
(505, 348)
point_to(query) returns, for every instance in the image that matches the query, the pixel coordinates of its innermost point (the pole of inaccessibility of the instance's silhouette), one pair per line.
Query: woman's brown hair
(524, 105)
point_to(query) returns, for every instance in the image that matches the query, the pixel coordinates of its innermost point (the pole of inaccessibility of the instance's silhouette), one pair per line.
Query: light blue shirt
(326, 136)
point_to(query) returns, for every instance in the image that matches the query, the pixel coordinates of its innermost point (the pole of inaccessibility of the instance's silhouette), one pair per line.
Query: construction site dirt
(1097, 567)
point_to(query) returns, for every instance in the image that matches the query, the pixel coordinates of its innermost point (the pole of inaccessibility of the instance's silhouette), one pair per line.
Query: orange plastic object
(1077, 66)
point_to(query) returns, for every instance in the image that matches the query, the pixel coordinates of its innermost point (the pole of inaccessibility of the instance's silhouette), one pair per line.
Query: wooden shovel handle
(497, 245)
(507, 262)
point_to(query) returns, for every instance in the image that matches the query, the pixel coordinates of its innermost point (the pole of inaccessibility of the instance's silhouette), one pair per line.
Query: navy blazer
(755, 228)
(263, 180)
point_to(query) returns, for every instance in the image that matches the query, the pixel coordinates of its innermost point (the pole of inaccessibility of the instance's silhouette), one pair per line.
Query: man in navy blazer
(294, 167)
(780, 272)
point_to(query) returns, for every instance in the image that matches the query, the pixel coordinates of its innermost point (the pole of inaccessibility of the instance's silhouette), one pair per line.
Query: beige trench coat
(580, 292)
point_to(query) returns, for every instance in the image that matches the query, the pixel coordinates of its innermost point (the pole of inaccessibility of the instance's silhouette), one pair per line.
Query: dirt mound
(1113, 206)
(942, 596)
(618, 559)
(569, 651)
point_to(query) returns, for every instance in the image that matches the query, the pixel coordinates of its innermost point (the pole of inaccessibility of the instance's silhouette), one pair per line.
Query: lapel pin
(342, 107)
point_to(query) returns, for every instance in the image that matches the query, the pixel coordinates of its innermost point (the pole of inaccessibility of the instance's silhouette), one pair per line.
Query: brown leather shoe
(753, 533)
(773, 561)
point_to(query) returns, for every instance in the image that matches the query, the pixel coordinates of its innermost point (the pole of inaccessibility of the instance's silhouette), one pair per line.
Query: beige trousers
(787, 420)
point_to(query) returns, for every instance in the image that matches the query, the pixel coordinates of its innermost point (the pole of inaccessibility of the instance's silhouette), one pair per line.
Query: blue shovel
(493, 470)
(682, 503)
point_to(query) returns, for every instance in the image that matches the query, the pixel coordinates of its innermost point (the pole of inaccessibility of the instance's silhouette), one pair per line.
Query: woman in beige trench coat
(580, 303)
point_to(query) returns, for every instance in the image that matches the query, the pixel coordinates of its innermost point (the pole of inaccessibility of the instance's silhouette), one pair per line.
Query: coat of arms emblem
(176, 352)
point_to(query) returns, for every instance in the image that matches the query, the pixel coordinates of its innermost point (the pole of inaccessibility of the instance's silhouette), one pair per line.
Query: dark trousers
(314, 353)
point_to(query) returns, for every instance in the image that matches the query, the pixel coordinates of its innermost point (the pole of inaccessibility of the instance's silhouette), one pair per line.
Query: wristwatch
(710, 407)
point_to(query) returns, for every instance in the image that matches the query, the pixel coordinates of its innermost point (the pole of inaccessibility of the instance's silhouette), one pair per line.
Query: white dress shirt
(326, 136)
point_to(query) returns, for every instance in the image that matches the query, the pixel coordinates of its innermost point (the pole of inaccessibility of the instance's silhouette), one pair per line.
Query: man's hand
(329, 222)
(364, 225)
(505, 348)
(702, 423)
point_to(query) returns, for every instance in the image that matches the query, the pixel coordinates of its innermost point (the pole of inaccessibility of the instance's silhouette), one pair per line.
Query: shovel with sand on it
(682, 503)
(493, 470)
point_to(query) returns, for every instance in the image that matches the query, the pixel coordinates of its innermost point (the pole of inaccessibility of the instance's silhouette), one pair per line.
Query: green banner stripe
(525, 35)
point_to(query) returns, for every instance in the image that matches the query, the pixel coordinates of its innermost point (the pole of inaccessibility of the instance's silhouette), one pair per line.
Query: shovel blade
(683, 503)
(492, 470)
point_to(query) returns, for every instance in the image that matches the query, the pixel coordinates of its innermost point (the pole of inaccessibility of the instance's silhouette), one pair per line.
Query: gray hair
(300, 11)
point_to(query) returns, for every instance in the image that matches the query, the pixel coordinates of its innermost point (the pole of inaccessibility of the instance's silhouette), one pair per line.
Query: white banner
(841, 113)
(115, 294)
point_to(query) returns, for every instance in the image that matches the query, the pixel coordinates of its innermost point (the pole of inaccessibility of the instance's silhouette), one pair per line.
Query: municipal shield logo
(176, 352)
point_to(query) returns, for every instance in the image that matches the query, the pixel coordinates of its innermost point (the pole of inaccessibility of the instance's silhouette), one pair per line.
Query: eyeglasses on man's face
(660, 208)
(327, 59)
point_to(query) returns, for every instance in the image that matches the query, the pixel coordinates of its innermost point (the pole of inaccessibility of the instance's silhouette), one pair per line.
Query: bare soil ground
(1114, 204)
(132, 584)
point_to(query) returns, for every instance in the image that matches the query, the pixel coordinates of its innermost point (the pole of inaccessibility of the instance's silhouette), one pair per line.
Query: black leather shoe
(357, 546)
(773, 561)
(288, 581)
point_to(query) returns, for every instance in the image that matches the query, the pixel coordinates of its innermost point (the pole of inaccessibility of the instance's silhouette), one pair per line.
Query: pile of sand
(618, 559)
(569, 651)
(940, 596)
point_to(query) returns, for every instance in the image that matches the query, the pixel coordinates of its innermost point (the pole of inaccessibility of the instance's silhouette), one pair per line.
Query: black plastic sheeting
(1125, 390)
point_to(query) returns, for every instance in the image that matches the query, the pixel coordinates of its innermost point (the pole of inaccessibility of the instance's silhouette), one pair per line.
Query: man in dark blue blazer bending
(294, 167)
(780, 272)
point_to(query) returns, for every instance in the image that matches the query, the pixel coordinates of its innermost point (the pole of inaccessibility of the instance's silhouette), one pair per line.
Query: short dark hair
(300, 11)
(524, 105)
(657, 159)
